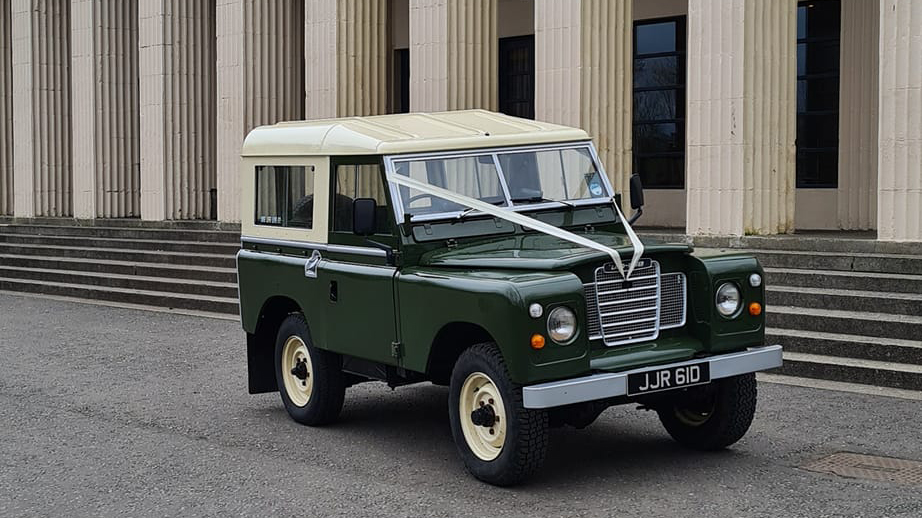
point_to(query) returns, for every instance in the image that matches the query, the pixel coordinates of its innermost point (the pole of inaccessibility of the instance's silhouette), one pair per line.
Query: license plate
(668, 379)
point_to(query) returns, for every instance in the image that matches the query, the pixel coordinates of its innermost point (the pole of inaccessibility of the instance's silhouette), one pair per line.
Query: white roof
(404, 133)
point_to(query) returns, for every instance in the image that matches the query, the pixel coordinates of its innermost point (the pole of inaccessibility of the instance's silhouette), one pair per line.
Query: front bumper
(608, 385)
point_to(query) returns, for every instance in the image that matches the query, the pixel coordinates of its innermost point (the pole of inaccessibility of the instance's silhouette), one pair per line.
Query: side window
(285, 196)
(355, 181)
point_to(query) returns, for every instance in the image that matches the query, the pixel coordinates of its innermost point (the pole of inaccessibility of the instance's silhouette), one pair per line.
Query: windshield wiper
(466, 212)
(538, 199)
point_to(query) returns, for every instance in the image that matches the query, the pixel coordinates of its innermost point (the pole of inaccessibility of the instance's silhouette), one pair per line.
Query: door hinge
(451, 243)
(397, 350)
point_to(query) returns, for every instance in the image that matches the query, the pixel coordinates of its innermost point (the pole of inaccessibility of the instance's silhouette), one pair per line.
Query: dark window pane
(654, 106)
(657, 138)
(662, 172)
(819, 57)
(818, 130)
(822, 18)
(817, 169)
(654, 38)
(818, 25)
(652, 72)
(517, 76)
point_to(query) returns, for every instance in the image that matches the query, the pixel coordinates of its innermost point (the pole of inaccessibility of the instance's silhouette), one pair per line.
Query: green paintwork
(486, 272)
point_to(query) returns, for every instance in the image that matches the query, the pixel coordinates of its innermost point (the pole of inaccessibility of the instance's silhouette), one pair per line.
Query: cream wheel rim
(297, 371)
(482, 416)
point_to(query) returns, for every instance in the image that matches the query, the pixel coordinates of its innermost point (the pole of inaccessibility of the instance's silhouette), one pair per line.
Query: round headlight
(728, 299)
(561, 324)
(755, 280)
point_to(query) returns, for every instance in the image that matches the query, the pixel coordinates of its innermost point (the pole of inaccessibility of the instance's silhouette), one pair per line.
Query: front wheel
(712, 417)
(500, 441)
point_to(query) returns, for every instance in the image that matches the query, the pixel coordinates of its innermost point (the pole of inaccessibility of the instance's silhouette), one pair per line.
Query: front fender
(497, 301)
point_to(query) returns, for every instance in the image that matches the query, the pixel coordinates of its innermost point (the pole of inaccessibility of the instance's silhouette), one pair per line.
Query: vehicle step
(844, 280)
(113, 254)
(157, 234)
(847, 300)
(125, 295)
(168, 271)
(122, 244)
(874, 263)
(113, 280)
(869, 372)
(847, 346)
(904, 327)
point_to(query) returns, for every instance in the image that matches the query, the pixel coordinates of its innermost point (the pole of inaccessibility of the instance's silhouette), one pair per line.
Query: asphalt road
(117, 412)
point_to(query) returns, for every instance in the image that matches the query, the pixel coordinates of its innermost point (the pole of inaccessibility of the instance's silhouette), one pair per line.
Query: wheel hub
(300, 370)
(484, 416)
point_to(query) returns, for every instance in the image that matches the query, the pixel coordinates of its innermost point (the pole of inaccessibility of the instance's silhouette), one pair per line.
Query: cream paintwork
(477, 391)
(317, 234)
(403, 133)
(295, 351)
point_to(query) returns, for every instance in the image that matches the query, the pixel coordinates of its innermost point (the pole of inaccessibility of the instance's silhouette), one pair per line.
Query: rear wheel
(310, 380)
(712, 417)
(499, 440)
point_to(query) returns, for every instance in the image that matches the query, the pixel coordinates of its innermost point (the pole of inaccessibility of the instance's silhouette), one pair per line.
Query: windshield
(514, 178)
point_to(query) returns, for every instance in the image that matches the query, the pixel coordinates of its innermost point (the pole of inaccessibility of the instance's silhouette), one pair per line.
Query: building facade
(742, 116)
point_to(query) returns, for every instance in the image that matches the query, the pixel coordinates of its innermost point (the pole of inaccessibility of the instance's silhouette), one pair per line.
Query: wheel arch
(261, 343)
(450, 341)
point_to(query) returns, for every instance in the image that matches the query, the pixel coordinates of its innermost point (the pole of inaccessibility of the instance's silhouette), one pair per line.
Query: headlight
(561, 324)
(728, 299)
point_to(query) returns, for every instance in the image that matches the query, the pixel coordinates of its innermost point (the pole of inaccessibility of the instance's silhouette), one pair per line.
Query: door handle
(310, 266)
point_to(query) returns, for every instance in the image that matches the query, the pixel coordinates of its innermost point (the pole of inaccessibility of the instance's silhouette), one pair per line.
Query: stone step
(847, 346)
(112, 280)
(125, 295)
(201, 273)
(122, 244)
(903, 327)
(844, 280)
(869, 372)
(874, 263)
(840, 242)
(156, 234)
(114, 254)
(846, 300)
(191, 224)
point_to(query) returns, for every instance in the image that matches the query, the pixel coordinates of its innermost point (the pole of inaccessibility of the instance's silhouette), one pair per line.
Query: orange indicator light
(537, 341)
(755, 309)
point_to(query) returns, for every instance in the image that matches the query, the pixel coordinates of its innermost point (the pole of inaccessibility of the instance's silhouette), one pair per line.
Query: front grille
(620, 312)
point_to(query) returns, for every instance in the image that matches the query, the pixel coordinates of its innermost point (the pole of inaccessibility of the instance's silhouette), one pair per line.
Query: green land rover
(488, 254)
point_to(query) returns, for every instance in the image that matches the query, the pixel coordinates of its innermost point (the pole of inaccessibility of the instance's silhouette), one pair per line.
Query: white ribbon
(525, 221)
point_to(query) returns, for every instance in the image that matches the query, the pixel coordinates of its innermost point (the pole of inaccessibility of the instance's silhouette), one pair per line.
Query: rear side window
(285, 196)
(355, 181)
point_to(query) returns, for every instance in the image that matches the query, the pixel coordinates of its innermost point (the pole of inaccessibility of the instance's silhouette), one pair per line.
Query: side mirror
(636, 192)
(364, 216)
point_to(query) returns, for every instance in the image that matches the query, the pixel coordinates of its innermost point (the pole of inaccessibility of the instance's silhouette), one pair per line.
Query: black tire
(525, 444)
(713, 417)
(326, 399)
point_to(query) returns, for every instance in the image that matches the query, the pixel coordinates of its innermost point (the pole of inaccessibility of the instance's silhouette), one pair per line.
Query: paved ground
(117, 412)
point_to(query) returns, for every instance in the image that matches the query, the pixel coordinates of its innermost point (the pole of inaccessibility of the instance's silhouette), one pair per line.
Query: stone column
(741, 120)
(899, 195)
(260, 68)
(453, 55)
(41, 108)
(177, 78)
(6, 112)
(104, 89)
(347, 56)
(858, 97)
(583, 74)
